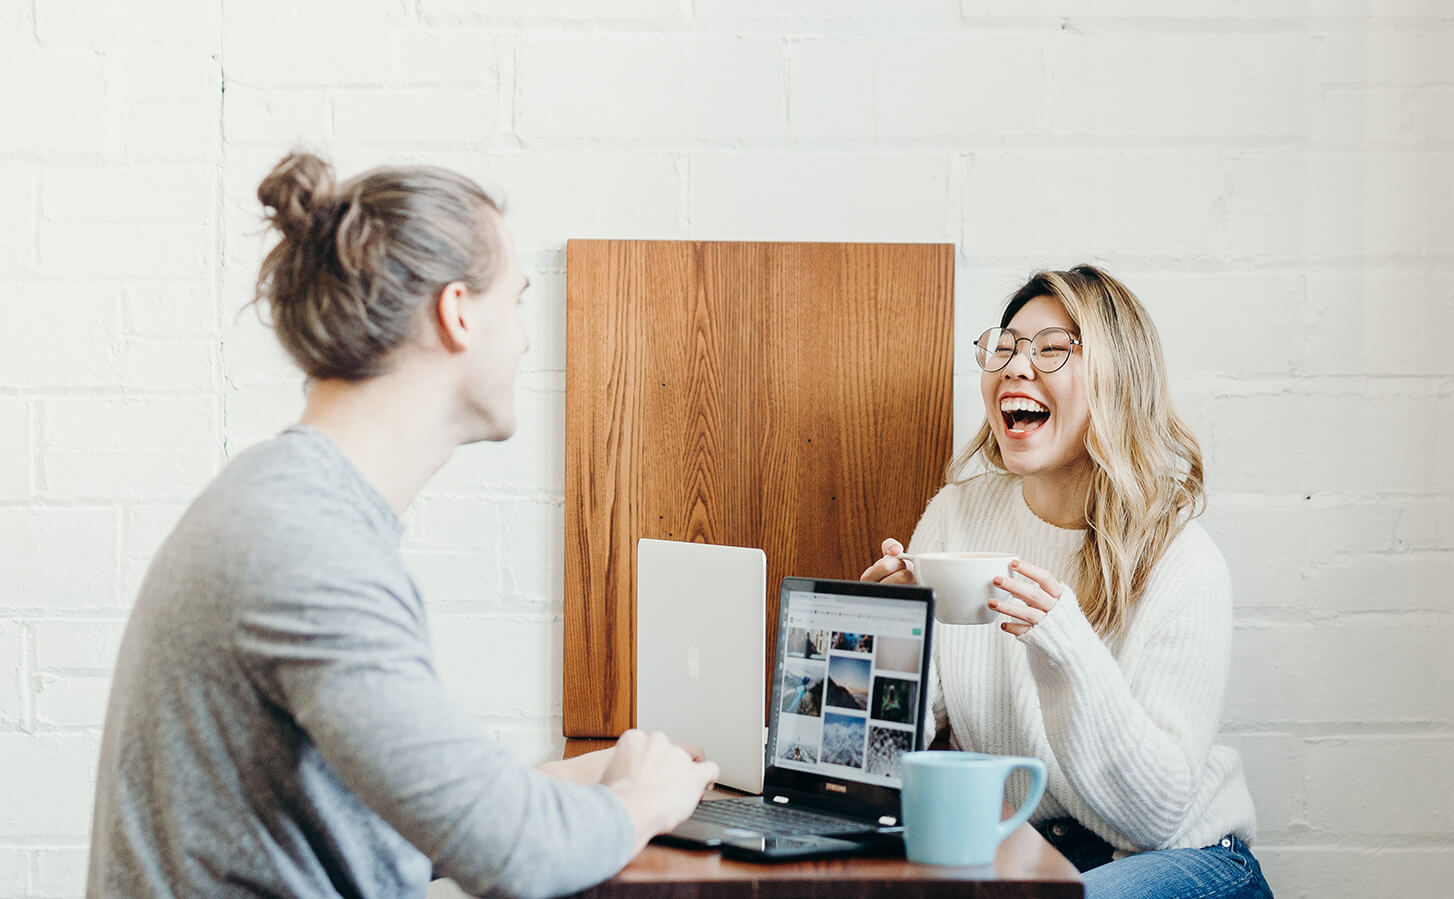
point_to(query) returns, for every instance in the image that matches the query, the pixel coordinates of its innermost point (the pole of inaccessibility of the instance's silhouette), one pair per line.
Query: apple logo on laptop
(694, 663)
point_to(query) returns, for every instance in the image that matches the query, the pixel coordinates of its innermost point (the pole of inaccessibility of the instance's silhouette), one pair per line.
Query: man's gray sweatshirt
(276, 726)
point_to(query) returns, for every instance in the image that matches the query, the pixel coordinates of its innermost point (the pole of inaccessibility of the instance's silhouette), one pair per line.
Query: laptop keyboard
(766, 817)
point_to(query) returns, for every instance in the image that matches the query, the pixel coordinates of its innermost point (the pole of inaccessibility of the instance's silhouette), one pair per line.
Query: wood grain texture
(1025, 867)
(793, 397)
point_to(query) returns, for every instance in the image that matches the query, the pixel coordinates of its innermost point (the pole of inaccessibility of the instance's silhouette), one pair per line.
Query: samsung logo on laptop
(835, 788)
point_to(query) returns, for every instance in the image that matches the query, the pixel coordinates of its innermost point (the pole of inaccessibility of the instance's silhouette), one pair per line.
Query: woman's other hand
(1036, 597)
(890, 569)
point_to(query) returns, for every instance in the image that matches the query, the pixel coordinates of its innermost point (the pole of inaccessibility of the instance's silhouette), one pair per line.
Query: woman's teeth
(1021, 404)
(1023, 415)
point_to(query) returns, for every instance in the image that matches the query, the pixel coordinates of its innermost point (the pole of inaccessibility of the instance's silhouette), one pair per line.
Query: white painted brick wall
(677, 88)
(1390, 801)
(13, 688)
(72, 86)
(1275, 177)
(80, 645)
(1350, 330)
(1179, 85)
(260, 55)
(88, 355)
(1203, 318)
(104, 25)
(556, 194)
(577, 12)
(58, 871)
(14, 448)
(50, 795)
(16, 229)
(169, 309)
(14, 872)
(63, 702)
(424, 117)
(58, 557)
(1060, 203)
(1341, 205)
(848, 90)
(839, 196)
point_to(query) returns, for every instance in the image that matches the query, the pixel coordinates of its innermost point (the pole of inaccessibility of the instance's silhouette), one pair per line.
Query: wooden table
(1025, 866)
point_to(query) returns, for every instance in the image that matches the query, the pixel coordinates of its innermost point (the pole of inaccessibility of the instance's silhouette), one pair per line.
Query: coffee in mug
(963, 582)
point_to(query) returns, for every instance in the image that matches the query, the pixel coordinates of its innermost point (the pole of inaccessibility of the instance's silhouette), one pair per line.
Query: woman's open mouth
(1022, 415)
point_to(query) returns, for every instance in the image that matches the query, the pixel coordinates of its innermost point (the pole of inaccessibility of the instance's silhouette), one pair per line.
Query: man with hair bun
(276, 726)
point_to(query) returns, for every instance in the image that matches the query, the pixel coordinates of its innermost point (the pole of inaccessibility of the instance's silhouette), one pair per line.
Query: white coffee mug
(963, 583)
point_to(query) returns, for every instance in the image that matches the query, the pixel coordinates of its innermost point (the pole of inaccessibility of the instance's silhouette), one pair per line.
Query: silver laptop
(701, 645)
(848, 700)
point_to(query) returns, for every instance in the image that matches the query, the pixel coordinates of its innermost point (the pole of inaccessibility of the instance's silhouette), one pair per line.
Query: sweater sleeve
(929, 536)
(1134, 741)
(349, 662)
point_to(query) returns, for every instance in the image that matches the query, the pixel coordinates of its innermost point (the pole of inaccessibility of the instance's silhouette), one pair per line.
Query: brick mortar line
(28, 665)
(1307, 618)
(1262, 382)
(1024, 142)
(931, 25)
(1339, 730)
(552, 262)
(84, 614)
(221, 234)
(1370, 842)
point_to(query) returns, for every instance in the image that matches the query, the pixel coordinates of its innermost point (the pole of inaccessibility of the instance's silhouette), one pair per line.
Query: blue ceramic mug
(952, 803)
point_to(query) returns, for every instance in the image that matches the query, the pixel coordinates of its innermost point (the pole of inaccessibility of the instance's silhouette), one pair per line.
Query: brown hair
(1146, 471)
(358, 260)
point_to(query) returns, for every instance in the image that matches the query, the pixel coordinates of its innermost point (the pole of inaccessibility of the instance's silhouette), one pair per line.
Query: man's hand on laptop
(657, 781)
(694, 751)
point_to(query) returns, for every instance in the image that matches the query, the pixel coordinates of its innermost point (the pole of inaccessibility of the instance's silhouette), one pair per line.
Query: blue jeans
(1224, 870)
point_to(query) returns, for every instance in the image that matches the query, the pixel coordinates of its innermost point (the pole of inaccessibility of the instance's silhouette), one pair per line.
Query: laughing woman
(1110, 661)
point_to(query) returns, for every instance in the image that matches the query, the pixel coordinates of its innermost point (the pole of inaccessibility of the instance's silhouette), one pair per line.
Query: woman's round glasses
(1049, 349)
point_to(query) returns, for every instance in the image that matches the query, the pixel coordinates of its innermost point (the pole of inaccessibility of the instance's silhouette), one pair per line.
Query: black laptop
(848, 699)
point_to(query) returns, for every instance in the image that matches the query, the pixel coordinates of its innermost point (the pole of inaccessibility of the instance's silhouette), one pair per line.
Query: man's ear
(454, 328)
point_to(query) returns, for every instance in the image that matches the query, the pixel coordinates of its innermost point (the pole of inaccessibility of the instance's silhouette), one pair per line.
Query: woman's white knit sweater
(1126, 727)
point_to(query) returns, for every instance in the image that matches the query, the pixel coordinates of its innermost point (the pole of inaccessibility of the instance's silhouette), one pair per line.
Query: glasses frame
(982, 350)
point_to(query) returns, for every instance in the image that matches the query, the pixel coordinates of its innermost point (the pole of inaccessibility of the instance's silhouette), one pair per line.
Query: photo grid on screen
(849, 701)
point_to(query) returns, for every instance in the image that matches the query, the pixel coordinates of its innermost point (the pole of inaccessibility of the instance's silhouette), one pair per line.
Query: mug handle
(1032, 799)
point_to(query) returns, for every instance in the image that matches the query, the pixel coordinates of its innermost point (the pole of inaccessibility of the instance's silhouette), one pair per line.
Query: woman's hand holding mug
(890, 568)
(1037, 597)
(970, 587)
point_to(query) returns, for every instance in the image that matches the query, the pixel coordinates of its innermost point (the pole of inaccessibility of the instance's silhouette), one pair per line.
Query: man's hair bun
(294, 190)
(359, 260)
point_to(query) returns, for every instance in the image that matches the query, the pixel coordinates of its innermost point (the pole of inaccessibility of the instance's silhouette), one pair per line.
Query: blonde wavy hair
(1146, 479)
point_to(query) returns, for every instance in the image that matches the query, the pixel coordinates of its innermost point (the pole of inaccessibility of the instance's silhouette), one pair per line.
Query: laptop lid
(701, 637)
(848, 694)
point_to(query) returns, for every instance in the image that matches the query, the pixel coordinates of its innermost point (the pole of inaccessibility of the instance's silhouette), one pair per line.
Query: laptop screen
(848, 691)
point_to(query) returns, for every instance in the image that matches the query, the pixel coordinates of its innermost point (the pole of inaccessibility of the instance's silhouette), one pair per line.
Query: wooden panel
(793, 397)
(1026, 866)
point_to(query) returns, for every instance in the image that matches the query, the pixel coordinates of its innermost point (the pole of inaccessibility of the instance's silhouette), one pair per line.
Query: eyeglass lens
(1048, 349)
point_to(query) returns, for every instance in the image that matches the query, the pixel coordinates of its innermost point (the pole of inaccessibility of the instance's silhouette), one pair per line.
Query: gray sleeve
(347, 659)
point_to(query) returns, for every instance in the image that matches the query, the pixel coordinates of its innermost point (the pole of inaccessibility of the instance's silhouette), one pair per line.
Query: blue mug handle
(1032, 799)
